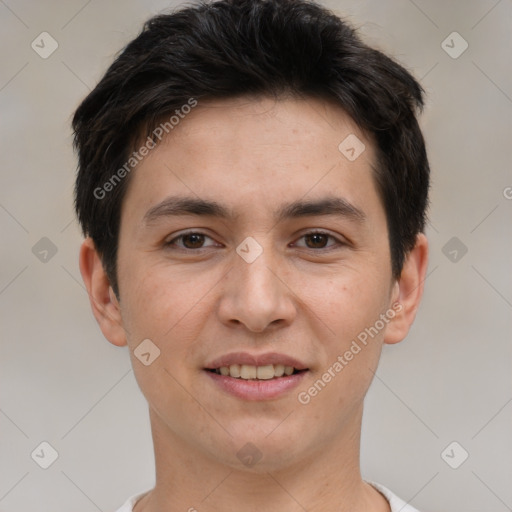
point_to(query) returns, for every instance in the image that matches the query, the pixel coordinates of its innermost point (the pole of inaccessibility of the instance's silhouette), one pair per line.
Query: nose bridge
(252, 268)
(253, 294)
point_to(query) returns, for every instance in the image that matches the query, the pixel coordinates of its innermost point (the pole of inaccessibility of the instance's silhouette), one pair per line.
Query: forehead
(258, 149)
(236, 124)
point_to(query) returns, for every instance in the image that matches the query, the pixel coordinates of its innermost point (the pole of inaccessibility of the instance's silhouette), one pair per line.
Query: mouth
(252, 372)
(256, 377)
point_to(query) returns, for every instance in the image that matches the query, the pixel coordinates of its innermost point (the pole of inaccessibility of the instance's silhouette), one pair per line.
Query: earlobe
(104, 303)
(408, 291)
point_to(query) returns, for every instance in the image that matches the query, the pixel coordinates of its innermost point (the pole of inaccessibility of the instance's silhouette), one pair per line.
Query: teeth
(279, 370)
(234, 370)
(265, 372)
(247, 372)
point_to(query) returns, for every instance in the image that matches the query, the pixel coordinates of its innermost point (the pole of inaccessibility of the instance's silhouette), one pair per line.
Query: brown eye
(192, 240)
(318, 240)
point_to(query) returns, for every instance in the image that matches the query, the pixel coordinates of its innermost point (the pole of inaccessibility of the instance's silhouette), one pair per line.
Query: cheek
(169, 308)
(350, 311)
(157, 301)
(348, 303)
(166, 311)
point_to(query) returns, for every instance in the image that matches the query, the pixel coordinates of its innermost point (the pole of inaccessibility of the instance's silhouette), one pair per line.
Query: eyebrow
(179, 205)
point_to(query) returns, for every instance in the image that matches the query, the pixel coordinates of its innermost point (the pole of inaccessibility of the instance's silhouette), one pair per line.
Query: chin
(259, 450)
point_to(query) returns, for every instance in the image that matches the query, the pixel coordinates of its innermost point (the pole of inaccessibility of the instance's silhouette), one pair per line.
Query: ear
(104, 304)
(407, 291)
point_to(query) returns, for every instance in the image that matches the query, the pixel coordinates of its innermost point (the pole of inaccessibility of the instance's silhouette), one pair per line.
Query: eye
(195, 240)
(319, 240)
(189, 241)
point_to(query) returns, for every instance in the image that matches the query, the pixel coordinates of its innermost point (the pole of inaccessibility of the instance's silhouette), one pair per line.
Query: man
(252, 185)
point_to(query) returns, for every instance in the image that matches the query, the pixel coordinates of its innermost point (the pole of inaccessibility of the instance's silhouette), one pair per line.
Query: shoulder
(130, 502)
(396, 504)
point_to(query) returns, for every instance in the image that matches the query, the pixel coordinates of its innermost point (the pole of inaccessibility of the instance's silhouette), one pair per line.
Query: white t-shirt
(396, 504)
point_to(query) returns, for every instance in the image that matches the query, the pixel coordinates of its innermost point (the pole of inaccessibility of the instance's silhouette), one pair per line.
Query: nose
(256, 294)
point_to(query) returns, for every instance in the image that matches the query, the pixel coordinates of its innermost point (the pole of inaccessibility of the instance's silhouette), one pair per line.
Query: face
(248, 236)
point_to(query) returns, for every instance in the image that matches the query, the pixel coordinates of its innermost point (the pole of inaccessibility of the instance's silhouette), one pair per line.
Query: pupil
(193, 240)
(318, 239)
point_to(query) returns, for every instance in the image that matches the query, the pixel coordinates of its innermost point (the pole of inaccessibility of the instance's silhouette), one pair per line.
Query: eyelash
(338, 244)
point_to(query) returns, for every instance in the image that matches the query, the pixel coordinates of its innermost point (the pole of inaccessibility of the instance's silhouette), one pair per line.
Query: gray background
(63, 383)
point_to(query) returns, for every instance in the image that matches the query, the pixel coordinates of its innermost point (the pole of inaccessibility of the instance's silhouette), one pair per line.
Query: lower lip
(257, 389)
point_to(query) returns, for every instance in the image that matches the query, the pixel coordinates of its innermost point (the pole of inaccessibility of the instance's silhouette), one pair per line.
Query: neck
(327, 480)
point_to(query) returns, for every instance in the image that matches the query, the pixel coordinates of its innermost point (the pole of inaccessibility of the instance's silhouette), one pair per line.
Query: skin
(303, 296)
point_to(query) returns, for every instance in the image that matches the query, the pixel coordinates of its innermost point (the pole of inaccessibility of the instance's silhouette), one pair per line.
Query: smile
(250, 372)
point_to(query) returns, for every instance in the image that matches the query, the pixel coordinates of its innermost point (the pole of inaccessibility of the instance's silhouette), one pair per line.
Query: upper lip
(255, 360)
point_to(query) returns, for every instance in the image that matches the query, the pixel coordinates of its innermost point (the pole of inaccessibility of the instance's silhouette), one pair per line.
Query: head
(267, 128)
